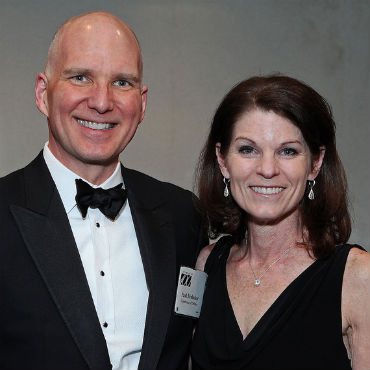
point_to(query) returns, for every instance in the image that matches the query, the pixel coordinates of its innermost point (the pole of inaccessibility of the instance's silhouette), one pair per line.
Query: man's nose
(268, 166)
(101, 98)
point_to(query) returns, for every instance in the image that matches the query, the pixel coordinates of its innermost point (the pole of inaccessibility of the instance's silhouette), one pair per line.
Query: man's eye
(121, 83)
(80, 78)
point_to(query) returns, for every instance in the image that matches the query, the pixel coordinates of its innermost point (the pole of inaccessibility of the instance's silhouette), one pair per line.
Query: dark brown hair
(326, 218)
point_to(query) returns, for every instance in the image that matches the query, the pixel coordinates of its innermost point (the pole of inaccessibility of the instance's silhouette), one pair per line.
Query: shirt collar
(64, 179)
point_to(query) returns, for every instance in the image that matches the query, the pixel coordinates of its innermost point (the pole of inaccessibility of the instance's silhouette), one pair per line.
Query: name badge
(190, 290)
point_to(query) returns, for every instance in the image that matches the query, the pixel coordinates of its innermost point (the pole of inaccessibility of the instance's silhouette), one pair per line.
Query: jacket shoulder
(13, 186)
(12, 183)
(151, 184)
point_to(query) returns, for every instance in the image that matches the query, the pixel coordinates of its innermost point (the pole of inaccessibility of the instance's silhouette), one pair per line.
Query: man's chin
(100, 161)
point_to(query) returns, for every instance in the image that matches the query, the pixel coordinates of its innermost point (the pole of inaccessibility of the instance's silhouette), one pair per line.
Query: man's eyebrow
(127, 76)
(77, 71)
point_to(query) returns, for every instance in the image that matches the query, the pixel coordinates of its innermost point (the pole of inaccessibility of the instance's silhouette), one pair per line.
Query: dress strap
(219, 252)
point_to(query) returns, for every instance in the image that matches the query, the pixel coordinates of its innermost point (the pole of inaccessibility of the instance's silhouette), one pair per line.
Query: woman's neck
(265, 241)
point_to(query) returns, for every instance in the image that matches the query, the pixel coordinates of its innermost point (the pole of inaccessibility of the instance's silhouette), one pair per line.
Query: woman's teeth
(95, 125)
(263, 190)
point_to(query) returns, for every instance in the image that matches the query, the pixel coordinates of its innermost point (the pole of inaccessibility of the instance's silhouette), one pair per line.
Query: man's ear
(222, 162)
(144, 97)
(41, 93)
(317, 163)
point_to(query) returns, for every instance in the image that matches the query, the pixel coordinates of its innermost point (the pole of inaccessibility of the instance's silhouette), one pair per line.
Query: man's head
(92, 92)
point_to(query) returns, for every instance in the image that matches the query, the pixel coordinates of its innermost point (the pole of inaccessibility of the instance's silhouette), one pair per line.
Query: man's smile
(95, 125)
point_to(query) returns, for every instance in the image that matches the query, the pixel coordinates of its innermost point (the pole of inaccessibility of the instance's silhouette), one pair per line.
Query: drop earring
(311, 194)
(226, 190)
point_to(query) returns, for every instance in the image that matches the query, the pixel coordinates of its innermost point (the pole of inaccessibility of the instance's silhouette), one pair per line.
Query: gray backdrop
(194, 52)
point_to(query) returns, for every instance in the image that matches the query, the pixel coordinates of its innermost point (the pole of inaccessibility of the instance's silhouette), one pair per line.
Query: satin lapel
(154, 232)
(45, 229)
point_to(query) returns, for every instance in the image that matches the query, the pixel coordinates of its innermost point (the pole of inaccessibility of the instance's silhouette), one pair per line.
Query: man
(86, 282)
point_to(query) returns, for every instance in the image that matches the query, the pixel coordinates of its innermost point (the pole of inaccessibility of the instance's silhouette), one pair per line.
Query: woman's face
(268, 164)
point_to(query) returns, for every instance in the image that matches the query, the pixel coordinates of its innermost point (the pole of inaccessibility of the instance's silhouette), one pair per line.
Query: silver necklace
(257, 280)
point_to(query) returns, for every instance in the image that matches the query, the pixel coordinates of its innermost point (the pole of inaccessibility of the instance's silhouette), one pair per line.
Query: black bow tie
(109, 201)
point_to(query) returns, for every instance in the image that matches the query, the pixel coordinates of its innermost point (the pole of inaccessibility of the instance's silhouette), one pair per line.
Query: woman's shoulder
(203, 256)
(358, 265)
(222, 244)
(356, 305)
(356, 280)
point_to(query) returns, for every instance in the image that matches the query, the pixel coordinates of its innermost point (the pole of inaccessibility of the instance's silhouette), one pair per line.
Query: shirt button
(105, 324)
(97, 224)
(102, 273)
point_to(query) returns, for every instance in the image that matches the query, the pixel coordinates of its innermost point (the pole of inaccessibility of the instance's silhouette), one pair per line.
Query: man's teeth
(263, 190)
(95, 125)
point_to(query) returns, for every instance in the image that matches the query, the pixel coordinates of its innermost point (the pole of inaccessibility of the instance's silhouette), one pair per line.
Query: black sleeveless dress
(301, 330)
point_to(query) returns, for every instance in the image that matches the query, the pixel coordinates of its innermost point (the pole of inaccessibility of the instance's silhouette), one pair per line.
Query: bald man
(90, 250)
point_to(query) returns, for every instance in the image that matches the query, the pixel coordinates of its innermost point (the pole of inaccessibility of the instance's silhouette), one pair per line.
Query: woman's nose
(268, 166)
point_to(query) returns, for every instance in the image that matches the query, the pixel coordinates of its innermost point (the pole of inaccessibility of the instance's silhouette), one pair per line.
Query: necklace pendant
(257, 282)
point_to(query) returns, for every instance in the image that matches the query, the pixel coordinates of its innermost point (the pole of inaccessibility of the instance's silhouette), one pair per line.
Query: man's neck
(94, 173)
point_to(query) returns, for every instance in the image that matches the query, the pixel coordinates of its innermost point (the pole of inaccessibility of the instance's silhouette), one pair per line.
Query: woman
(284, 291)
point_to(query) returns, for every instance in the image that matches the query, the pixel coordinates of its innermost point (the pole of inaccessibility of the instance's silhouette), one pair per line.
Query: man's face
(93, 96)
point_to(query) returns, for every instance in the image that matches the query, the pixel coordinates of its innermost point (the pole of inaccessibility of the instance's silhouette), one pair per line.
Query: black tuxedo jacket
(48, 318)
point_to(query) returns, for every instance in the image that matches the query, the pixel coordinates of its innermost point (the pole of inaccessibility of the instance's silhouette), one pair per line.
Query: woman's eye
(289, 151)
(246, 149)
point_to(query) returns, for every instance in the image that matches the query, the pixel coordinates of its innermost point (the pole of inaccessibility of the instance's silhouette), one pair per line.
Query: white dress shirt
(114, 270)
